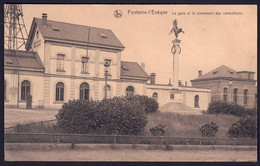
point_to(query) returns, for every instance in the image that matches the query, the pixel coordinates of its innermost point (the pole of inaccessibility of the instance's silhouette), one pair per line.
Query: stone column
(175, 71)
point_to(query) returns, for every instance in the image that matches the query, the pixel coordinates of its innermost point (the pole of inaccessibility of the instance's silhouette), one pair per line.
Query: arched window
(245, 96)
(59, 91)
(225, 94)
(25, 90)
(196, 101)
(155, 96)
(84, 91)
(235, 95)
(108, 91)
(4, 90)
(130, 91)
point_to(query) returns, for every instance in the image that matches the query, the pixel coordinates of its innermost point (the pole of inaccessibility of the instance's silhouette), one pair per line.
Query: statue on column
(176, 41)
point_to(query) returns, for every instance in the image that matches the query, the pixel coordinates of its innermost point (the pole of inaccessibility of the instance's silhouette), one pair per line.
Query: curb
(68, 146)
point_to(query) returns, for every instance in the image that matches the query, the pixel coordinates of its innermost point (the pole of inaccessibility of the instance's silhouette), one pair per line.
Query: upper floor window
(130, 91)
(196, 101)
(155, 96)
(225, 94)
(25, 89)
(60, 62)
(171, 96)
(245, 96)
(107, 66)
(235, 95)
(84, 64)
(59, 91)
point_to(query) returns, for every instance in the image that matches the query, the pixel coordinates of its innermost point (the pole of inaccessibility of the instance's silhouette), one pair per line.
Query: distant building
(229, 85)
(66, 61)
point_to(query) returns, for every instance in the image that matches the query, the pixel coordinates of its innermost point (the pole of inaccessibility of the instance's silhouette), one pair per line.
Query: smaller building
(229, 85)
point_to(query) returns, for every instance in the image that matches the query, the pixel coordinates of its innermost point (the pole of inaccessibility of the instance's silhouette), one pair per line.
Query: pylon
(15, 33)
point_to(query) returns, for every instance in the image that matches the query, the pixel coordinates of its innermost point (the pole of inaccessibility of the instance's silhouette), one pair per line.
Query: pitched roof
(222, 71)
(77, 33)
(22, 59)
(132, 69)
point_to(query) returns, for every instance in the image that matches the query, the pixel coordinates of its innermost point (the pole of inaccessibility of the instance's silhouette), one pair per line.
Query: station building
(65, 61)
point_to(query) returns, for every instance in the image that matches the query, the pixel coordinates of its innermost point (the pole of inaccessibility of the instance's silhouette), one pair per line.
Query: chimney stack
(179, 83)
(152, 76)
(185, 83)
(44, 19)
(200, 73)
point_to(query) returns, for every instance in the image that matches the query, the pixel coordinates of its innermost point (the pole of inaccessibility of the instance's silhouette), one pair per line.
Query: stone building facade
(65, 61)
(229, 85)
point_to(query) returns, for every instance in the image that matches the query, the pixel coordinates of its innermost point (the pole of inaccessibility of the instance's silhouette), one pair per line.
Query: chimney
(179, 83)
(152, 76)
(44, 19)
(170, 82)
(185, 83)
(199, 73)
(143, 65)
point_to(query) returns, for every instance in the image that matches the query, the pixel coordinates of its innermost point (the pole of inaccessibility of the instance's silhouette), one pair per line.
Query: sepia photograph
(130, 83)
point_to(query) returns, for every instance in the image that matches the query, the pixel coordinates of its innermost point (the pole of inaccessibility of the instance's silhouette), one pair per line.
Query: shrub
(150, 105)
(209, 129)
(245, 127)
(158, 130)
(118, 115)
(229, 108)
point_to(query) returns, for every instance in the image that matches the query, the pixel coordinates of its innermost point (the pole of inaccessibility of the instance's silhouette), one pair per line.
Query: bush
(109, 116)
(245, 127)
(150, 105)
(158, 130)
(209, 129)
(229, 108)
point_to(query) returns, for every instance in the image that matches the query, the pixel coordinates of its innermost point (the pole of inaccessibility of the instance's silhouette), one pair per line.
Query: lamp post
(230, 85)
(107, 64)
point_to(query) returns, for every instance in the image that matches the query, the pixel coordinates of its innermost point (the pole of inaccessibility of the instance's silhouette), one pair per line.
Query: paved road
(129, 155)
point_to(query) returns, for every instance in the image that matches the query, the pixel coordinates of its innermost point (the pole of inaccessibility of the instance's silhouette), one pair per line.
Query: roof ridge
(74, 24)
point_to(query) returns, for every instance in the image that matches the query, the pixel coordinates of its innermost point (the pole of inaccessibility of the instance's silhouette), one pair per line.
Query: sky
(209, 40)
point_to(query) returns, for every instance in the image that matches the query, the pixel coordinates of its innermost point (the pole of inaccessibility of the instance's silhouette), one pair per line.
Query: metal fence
(19, 127)
(120, 139)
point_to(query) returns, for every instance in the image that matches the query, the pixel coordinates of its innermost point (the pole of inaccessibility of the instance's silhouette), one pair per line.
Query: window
(235, 95)
(59, 91)
(248, 76)
(108, 91)
(84, 91)
(130, 91)
(245, 96)
(225, 94)
(171, 96)
(196, 101)
(84, 64)
(25, 90)
(155, 96)
(60, 62)
(4, 90)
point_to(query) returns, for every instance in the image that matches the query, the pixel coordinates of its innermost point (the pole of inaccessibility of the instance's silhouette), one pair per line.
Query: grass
(176, 125)
(188, 125)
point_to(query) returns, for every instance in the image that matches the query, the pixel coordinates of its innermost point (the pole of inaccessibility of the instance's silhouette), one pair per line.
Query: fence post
(114, 139)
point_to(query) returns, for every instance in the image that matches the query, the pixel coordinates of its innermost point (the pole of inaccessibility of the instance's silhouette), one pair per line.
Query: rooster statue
(175, 29)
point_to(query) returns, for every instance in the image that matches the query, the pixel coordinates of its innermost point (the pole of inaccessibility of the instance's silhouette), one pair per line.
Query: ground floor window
(130, 91)
(196, 101)
(235, 95)
(25, 89)
(245, 96)
(225, 94)
(84, 91)
(59, 91)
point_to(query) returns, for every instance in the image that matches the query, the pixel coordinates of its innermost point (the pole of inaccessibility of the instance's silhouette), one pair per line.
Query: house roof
(132, 69)
(22, 59)
(56, 30)
(222, 71)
